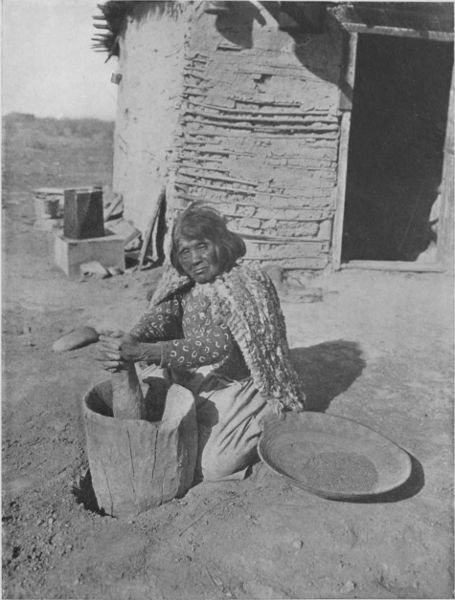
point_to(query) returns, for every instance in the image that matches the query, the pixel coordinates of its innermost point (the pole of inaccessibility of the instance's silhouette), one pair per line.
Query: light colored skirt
(229, 416)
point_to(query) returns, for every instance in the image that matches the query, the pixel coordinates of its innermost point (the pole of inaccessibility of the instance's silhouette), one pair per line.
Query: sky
(48, 67)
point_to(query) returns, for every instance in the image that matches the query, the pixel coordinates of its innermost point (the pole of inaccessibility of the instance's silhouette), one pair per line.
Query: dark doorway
(395, 156)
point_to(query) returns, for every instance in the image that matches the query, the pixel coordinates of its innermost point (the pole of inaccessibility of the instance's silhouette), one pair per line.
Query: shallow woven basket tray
(333, 457)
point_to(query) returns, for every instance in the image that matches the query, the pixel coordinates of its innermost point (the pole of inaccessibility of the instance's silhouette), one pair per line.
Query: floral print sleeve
(188, 334)
(212, 346)
(163, 322)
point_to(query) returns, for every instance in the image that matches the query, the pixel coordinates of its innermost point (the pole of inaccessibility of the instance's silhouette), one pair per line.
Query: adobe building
(323, 131)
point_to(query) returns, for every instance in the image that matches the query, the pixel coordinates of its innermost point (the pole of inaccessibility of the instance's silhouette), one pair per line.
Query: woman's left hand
(116, 351)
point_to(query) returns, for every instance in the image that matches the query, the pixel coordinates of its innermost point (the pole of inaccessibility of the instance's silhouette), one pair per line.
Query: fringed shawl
(246, 300)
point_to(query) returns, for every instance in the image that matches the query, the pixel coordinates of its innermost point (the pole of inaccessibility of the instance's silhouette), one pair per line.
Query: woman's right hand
(110, 349)
(118, 348)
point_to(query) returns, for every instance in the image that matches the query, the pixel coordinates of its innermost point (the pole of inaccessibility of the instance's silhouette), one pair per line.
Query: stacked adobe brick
(258, 138)
(241, 115)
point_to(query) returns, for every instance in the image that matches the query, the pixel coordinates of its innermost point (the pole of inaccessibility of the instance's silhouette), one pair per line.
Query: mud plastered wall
(259, 132)
(149, 97)
(232, 111)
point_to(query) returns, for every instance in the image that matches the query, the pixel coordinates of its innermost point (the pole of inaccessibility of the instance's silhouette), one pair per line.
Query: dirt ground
(378, 347)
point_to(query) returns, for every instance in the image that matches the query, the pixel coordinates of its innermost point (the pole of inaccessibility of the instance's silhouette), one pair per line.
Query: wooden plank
(384, 265)
(337, 238)
(308, 200)
(182, 182)
(348, 76)
(337, 235)
(150, 228)
(282, 216)
(292, 263)
(176, 450)
(436, 36)
(445, 240)
(436, 24)
(136, 465)
(286, 251)
(275, 239)
(298, 112)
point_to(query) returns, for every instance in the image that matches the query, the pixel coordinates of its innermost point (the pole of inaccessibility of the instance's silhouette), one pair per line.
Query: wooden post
(150, 228)
(127, 397)
(346, 106)
(445, 221)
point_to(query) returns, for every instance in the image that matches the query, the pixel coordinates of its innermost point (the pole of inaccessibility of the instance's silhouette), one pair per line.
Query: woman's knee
(217, 463)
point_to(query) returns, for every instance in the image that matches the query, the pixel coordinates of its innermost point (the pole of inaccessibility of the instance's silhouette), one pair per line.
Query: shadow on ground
(85, 494)
(327, 370)
(330, 368)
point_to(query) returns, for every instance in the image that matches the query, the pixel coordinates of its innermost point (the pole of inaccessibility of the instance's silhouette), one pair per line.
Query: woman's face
(198, 259)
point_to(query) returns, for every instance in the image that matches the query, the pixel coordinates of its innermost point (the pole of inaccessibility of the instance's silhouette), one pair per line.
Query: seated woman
(218, 329)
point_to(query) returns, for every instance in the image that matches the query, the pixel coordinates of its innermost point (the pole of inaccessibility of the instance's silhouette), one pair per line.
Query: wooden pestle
(127, 398)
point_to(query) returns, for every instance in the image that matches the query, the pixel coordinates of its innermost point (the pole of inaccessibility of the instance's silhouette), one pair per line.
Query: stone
(297, 545)
(78, 338)
(93, 267)
(348, 587)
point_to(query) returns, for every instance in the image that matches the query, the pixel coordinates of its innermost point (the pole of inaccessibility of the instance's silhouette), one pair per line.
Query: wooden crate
(83, 213)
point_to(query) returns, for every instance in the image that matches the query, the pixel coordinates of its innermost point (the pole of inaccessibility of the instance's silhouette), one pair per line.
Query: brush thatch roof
(430, 20)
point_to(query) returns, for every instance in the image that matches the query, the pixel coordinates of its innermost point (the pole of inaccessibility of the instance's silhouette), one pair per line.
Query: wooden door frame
(444, 247)
(348, 79)
(445, 242)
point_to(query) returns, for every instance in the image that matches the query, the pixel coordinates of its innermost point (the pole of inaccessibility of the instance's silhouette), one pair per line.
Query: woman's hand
(109, 349)
(118, 348)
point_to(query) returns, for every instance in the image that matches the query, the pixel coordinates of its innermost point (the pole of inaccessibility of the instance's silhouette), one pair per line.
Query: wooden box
(83, 213)
(69, 254)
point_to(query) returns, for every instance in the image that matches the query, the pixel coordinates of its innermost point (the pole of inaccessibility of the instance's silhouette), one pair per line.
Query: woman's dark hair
(202, 222)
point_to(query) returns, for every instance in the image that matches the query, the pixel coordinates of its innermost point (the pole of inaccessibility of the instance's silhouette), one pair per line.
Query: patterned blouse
(189, 337)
